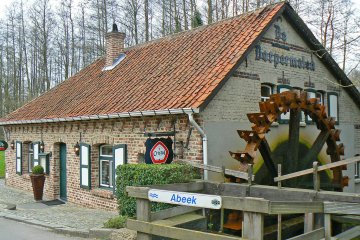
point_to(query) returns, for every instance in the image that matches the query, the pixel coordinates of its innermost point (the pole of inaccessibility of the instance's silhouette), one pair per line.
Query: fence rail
(254, 209)
(319, 168)
(229, 172)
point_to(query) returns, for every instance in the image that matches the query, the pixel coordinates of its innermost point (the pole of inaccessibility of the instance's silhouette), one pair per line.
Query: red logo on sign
(159, 153)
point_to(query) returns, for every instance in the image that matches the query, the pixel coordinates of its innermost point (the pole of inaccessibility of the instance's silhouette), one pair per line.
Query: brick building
(198, 85)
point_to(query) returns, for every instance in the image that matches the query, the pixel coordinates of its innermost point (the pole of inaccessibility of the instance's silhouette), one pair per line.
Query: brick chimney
(114, 45)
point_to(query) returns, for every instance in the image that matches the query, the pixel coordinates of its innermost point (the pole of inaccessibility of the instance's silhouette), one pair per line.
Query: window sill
(103, 193)
(275, 124)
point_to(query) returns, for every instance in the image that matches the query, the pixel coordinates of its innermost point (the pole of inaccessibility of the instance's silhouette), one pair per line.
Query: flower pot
(38, 181)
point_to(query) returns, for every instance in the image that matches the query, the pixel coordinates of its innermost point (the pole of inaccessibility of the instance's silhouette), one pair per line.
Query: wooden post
(327, 225)
(316, 176)
(250, 173)
(221, 220)
(223, 173)
(143, 213)
(253, 226)
(316, 179)
(308, 222)
(293, 142)
(279, 230)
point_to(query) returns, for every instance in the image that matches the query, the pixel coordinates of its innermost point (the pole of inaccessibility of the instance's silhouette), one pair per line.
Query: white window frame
(109, 159)
(330, 106)
(357, 168)
(270, 87)
(321, 98)
(311, 93)
(284, 118)
(303, 117)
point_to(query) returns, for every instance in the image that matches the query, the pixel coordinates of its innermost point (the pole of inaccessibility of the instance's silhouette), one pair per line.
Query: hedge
(2, 164)
(149, 174)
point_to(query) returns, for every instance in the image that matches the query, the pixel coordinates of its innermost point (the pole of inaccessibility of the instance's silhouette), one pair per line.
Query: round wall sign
(158, 151)
(3, 145)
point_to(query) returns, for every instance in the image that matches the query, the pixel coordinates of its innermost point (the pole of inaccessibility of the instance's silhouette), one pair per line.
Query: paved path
(19, 231)
(68, 217)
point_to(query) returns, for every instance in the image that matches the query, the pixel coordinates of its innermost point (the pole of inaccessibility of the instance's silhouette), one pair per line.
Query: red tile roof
(179, 71)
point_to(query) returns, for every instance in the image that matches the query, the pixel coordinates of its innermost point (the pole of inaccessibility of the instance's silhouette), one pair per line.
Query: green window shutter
(119, 158)
(85, 166)
(36, 148)
(18, 157)
(284, 118)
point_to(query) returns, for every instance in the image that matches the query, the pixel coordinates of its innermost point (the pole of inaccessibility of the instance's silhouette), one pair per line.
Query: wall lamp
(12, 144)
(42, 146)
(77, 149)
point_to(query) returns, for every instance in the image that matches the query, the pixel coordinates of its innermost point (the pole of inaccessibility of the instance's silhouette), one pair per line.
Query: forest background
(44, 42)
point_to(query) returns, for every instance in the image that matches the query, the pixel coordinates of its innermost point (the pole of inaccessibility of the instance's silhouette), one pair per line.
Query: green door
(63, 193)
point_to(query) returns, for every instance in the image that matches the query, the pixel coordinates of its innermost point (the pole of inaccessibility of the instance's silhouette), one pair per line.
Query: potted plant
(37, 180)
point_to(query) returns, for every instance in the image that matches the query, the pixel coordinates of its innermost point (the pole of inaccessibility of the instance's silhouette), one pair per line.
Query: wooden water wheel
(290, 102)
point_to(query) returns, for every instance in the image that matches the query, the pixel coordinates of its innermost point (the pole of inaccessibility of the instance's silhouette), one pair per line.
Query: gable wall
(240, 95)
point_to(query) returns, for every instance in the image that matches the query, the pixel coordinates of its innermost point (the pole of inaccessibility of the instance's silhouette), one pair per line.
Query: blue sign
(185, 198)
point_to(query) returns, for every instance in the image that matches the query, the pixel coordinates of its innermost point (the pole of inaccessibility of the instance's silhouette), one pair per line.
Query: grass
(116, 222)
(2, 164)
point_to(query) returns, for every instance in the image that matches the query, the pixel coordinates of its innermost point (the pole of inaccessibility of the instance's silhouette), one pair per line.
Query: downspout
(204, 141)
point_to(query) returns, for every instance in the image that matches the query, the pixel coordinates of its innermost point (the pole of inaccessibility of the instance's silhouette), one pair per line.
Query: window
(44, 162)
(299, 91)
(320, 97)
(33, 155)
(285, 117)
(311, 93)
(110, 158)
(357, 168)
(333, 109)
(106, 166)
(266, 91)
(18, 155)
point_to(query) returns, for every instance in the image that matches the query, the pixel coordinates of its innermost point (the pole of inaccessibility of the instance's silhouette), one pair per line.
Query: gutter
(107, 116)
(204, 141)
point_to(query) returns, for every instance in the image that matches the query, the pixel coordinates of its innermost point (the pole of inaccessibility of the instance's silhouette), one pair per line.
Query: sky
(4, 3)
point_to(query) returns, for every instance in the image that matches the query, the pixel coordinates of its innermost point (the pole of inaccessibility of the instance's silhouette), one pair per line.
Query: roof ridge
(200, 28)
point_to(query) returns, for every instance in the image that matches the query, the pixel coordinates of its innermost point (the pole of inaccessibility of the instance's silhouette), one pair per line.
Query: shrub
(149, 174)
(116, 222)
(38, 170)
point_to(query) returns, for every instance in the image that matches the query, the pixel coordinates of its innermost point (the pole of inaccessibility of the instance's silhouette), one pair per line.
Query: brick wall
(121, 131)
